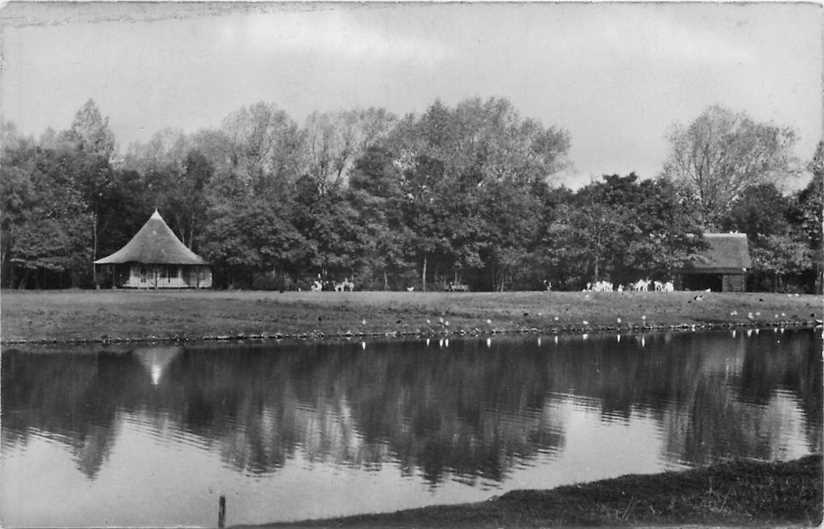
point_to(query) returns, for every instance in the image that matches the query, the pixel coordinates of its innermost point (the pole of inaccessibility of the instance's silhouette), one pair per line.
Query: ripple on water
(487, 485)
(468, 480)
(55, 437)
(786, 408)
(165, 430)
(17, 444)
(585, 402)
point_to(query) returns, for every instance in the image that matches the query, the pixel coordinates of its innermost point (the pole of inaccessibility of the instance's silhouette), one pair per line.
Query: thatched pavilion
(155, 258)
(722, 267)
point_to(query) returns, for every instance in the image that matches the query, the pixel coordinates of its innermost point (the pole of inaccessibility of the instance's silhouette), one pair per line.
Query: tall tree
(781, 247)
(375, 192)
(93, 180)
(18, 195)
(90, 135)
(192, 197)
(264, 142)
(45, 221)
(620, 228)
(247, 238)
(667, 231)
(90, 131)
(810, 201)
(760, 212)
(722, 153)
(511, 220)
(423, 214)
(124, 209)
(334, 141)
(461, 164)
(166, 149)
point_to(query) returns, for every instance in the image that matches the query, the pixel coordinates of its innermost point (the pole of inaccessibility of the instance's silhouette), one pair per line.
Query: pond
(153, 435)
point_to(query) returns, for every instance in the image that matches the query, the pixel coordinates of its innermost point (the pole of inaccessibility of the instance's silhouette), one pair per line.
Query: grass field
(740, 493)
(81, 315)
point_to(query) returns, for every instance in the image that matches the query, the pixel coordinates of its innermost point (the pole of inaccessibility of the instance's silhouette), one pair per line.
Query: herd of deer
(342, 286)
(642, 285)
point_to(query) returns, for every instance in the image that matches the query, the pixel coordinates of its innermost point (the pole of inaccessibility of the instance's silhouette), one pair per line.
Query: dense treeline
(463, 194)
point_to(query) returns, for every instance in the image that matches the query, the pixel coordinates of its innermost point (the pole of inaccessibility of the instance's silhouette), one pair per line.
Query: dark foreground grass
(64, 316)
(739, 493)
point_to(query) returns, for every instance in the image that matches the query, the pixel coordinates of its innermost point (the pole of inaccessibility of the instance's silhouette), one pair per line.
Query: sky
(616, 76)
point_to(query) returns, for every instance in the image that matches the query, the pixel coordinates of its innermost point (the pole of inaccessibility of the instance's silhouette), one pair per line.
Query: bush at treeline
(463, 194)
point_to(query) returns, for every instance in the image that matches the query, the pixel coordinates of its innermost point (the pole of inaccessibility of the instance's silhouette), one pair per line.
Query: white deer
(602, 286)
(344, 285)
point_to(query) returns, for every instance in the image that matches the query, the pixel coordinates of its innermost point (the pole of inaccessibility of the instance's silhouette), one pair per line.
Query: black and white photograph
(411, 264)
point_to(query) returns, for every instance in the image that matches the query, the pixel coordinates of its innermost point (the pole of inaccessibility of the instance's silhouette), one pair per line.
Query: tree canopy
(465, 193)
(721, 153)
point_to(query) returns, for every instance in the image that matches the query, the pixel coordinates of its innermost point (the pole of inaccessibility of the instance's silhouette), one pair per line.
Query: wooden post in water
(221, 512)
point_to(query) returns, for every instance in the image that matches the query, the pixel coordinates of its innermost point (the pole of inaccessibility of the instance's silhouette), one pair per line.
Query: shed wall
(166, 276)
(734, 283)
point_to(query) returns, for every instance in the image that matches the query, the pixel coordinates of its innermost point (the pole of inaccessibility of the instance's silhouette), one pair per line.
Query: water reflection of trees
(468, 410)
(63, 397)
(739, 404)
(465, 411)
(715, 397)
(795, 366)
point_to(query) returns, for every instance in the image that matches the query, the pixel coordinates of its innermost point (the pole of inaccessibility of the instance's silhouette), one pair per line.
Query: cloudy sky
(616, 76)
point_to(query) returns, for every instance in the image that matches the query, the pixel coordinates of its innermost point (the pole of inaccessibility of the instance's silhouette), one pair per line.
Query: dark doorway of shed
(713, 282)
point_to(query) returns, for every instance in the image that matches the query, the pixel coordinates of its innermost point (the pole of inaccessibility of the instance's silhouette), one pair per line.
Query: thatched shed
(155, 258)
(722, 266)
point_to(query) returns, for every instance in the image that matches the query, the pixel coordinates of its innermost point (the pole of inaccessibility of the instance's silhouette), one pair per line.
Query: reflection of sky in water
(154, 436)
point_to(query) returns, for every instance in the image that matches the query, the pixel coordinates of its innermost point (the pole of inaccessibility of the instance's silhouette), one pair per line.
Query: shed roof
(726, 252)
(154, 243)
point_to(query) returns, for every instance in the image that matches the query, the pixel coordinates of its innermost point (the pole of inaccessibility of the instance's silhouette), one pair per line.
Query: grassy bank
(134, 315)
(742, 493)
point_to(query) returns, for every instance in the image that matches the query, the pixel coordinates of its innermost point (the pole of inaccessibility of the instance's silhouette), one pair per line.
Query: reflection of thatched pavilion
(155, 258)
(155, 359)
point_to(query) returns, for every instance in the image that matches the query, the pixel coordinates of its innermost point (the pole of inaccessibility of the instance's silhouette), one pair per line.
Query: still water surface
(153, 435)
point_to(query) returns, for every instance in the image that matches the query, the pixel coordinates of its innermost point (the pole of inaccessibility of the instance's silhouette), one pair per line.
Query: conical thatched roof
(727, 252)
(155, 243)
(156, 359)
